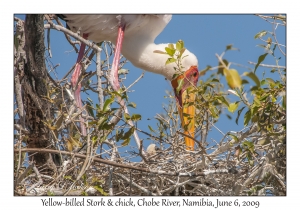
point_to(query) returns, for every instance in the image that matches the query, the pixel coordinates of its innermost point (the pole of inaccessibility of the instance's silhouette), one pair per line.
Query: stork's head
(184, 87)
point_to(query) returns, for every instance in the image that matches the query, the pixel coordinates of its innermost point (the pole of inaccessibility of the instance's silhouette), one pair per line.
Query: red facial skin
(190, 77)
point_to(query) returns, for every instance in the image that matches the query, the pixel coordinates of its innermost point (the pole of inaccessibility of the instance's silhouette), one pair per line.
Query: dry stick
(19, 59)
(22, 176)
(198, 143)
(111, 169)
(99, 75)
(267, 66)
(19, 161)
(67, 36)
(135, 135)
(134, 184)
(40, 180)
(122, 165)
(75, 35)
(140, 77)
(85, 166)
(63, 173)
(270, 17)
(48, 42)
(274, 35)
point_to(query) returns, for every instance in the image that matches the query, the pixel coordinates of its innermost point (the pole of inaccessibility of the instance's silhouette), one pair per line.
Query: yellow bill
(183, 87)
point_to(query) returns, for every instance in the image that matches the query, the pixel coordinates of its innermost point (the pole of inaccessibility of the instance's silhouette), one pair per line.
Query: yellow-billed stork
(133, 36)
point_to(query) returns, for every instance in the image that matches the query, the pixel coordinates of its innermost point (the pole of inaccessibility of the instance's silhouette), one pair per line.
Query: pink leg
(114, 81)
(74, 81)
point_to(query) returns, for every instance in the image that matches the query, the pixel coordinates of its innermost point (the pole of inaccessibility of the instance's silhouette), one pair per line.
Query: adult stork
(133, 36)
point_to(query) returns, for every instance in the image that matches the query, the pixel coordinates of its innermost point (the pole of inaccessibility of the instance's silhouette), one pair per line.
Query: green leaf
(249, 145)
(59, 121)
(179, 45)
(224, 101)
(68, 178)
(107, 126)
(90, 109)
(256, 102)
(132, 104)
(247, 117)
(180, 84)
(238, 116)
(260, 59)
(92, 122)
(233, 78)
(221, 67)
(253, 77)
(260, 34)
(228, 116)
(171, 46)
(98, 107)
(264, 141)
(119, 135)
(118, 93)
(100, 190)
(263, 82)
(233, 106)
(170, 60)
(244, 81)
(151, 129)
(90, 100)
(136, 117)
(181, 52)
(230, 47)
(170, 51)
(213, 111)
(107, 104)
(236, 140)
(270, 81)
(126, 116)
(128, 133)
(123, 71)
(126, 142)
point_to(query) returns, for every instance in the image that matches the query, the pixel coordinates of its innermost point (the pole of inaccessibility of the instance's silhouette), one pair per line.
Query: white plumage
(138, 44)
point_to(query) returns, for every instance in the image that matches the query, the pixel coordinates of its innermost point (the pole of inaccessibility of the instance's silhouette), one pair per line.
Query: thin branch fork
(75, 35)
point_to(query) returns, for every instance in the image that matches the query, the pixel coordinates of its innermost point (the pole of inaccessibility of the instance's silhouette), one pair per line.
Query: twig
(40, 180)
(68, 36)
(86, 164)
(121, 165)
(76, 36)
(48, 41)
(267, 66)
(140, 77)
(99, 75)
(135, 185)
(274, 35)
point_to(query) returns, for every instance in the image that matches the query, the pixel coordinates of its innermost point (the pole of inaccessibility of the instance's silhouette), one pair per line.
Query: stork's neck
(140, 54)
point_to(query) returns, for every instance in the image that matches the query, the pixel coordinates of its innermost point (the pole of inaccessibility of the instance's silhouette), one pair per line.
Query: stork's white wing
(105, 27)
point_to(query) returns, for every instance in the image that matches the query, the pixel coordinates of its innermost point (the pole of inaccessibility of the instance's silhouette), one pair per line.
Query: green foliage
(175, 54)
(260, 34)
(260, 60)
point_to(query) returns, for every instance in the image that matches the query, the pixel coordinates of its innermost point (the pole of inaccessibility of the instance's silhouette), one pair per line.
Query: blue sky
(204, 35)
